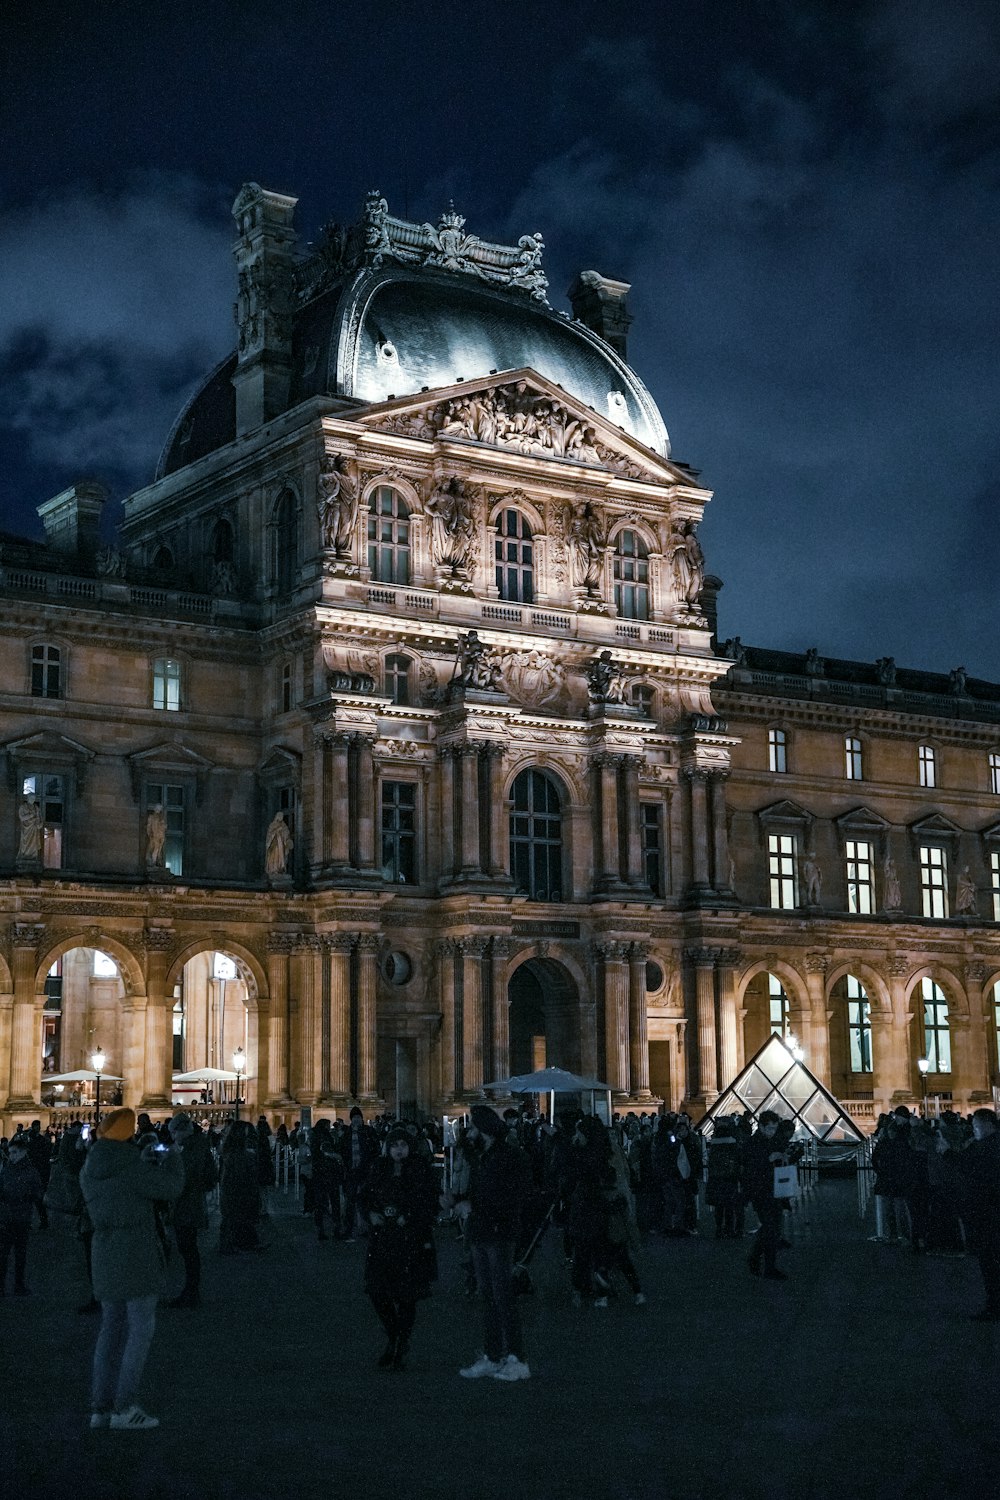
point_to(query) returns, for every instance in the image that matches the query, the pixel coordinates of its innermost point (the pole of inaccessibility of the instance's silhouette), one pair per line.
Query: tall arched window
(779, 1018)
(937, 1032)
(536, 836)
(859, 1026)
(631, 576)
(515, 558)
(397, 678)
(388, 536)
(286, 542)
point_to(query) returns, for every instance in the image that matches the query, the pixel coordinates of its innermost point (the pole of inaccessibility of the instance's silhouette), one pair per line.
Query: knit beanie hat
(487, 1121)
(356, 1113)
(117, 1125)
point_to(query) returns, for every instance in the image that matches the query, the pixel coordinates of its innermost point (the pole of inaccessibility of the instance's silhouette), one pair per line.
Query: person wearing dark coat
(40, 1154)
(722, 1192)
(977, 1169)
(327, 1174)
(189, 1212)
(500, 1180)
(360, 1151)
(399, 1199)
(239, 1193)
(121, 1186)
(20, 1193)
(759, 1162)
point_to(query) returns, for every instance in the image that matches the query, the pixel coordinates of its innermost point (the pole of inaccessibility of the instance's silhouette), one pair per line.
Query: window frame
(994, 770)
(783, 870)
(532, 851)
(286, 542)
(401, 841)
(390, 558)
(653, 849)
(514, 557)
(994, 867)
(777, 751)
(42, 669)
(927, 766)
(933, 861)
(854, 764)
(632, 593)
(53, 856)
(397, 668)
(778, 996)
(859, 1028)
(175, 843)
(161, 675)
(855, 863)
(935, 1026)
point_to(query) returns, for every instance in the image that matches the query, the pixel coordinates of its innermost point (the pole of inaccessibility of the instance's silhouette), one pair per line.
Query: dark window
(397, 679)
(515, 558)
(46, 672)
(536, 837)
(286, 687)
(399, 832)
(222, 542)
(651, 829)
(388, 536)
(286, 543)
(643, 698)
(631, 576)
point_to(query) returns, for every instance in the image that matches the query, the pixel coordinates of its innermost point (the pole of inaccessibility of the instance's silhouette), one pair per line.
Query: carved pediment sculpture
(533, 679)
(478, 666)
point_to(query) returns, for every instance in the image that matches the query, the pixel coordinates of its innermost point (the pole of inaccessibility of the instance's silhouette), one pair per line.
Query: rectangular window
(783, 860)
(167, 683)
(399, 832)
(934, 880)
(859, 1026)
(46, 672)
(777, 750)
(995, 885)
(928, 765)
(651, 828)
(286, 687)
(778, 1007)
(42, 832)
(171, 800)
(937, 1036)
(860, 877)
(995, 774)
(852, 759)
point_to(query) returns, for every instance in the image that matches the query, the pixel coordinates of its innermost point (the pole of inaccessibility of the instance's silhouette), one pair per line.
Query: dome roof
(391, 331)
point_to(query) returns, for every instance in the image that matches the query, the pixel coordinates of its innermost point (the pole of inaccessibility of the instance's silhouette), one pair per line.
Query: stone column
(367, 1020)
(133, 1036)
(279, 947)
(365, 788)
(337, 840)
(469, 760)
(708, 1076)
(817, 1038)
(339, 946)
(728, 1020)
(446, 756)
(500, 950)
(473, 1039)
(446, 973)
(306, 1065)
(322, 760)
(608, 862)
(638, 1037)
(981, 1061)
(25, 1060)
(720, 838)
(158, 1060)
(6, 1021)
(633, 835)
(614, 958)
(499, 831)
(698, 828)
(678, 1066)
(893, 1075)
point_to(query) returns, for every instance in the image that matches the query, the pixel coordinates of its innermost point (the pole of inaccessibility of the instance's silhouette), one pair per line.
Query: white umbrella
(553, 1081)
(81, 1075)
(206, 1075)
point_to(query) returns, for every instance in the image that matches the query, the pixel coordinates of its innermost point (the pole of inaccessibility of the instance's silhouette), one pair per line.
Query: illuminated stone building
(394, 744)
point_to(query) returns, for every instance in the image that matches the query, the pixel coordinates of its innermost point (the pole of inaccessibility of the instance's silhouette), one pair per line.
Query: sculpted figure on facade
(891, 894)
(278, 846)
(29, 816)
(478, 666)
(687, 562)
(156, 837)
(452, 509)
(533, 679)
(605, 679)
(886, 669)
(588, 539)
(223, 579)
(958, 681)
(812, 877)
(965, 895)
(734, 650)
(338, 505)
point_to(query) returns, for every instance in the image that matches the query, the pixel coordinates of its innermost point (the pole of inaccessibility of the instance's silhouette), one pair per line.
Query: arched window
(631, 576)
(222, 542)
(388, 536)
(163, 560)
(859, 1026)
(536, 836)
(515, 558)
(779, 1017)
(286, 542)
(937, 1032)
(397, 678)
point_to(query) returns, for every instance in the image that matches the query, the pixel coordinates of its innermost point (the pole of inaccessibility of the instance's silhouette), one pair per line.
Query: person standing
(120, 1185)
(499, 1183)
(399, 1198)
(239, 1193)
(20, 1192)
(190, 1214)
(326, 1169)
(760, 1162)
(360, 1150)
(978, 1171)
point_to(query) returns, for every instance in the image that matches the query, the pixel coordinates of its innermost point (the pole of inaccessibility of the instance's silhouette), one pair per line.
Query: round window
(396, 967)
(654, 977)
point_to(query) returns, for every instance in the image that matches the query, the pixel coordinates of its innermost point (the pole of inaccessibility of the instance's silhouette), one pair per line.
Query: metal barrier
(865, 1175)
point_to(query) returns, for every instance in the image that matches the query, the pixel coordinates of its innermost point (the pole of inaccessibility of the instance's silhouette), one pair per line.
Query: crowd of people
(133, 1187)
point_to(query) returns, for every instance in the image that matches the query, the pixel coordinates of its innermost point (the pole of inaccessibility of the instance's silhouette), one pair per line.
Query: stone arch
(958, 999)
(642, 529)
(756, 1025)
(398, 482)
(252, 971)
(792, 981)
(544, 990)
(875, 986)
(567, 779)
(129, 966)
(6, 977)
(517, 500)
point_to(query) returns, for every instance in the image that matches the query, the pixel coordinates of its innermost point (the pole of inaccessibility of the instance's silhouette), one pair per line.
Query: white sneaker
(600, 1301)
(100, 1419)
(134, 1419)
(483, 1366)
(512, 1368)
(639, 1299)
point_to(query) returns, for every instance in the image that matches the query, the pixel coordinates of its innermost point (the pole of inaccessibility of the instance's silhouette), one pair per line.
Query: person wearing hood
(121, 1185)
(20, 1192)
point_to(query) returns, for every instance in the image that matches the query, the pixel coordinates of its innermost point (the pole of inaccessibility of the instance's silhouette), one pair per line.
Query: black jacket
(500, 1182)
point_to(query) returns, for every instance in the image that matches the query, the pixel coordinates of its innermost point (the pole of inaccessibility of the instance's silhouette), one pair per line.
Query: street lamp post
(239, 1065)
(923, 1063)
(97, 1062)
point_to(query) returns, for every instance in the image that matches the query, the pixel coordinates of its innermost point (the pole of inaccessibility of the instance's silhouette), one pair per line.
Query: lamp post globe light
(923, 1063)
(239, 1065)
(97, 1061)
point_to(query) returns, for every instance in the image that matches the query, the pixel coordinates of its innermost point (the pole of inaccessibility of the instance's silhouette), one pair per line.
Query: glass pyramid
(773, 1079)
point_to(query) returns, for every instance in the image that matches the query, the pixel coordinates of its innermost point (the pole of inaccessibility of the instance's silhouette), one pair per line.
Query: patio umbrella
(81, 1075)
(206, 1075)
(553, 1081)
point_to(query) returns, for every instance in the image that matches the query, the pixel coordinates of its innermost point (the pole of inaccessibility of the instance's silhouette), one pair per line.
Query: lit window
(167, 683)
(927, 763)
(104, 965)
(995, 774)
(536, 837)
(171, 800)
(859, 1026)
(399, 832)
(860, 878)
(515, 568)
(783, 859)
(397, 678)
(631, 570)
(995, 884)
(852, 759)
(46, 792)
(937, 1036)
(778, 1007)
(46, 672)
(388, 536)
(223, 967)
(651, 829)
(934, 880)
(777, 750)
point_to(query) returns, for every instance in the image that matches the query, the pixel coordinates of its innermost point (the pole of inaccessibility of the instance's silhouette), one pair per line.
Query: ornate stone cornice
(158, 939)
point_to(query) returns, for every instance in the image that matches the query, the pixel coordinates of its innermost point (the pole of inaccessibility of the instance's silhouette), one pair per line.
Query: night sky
(804, 196)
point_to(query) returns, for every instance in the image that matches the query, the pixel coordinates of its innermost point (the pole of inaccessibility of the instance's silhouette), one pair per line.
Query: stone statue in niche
(29, 815)
(223, 579)
(278, 845)
(812, 877)
(891, 895)
(156, 837)
(587, 538)
(478, 666)
(965, 895)
(451, 508)
(814, 664)
(605, 679)
(337, 505)
(687, 562)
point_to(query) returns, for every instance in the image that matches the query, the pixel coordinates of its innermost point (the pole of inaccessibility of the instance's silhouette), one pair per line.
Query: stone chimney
(599, 303)
(264, 304)
(72, 520)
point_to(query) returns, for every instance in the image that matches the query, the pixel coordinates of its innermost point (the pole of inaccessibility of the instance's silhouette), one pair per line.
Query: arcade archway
(544, 1017)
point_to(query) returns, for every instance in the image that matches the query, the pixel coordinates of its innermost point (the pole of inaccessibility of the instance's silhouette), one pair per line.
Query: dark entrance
(544, 1018)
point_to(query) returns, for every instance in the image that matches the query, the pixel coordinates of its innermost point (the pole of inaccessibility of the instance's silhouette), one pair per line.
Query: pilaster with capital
(893, 1071)
(25, 1058)
(368, 944)
(336, 845)
(607, 864)
(468, 759)
(980, 1042)
(638, 1028)
(703, 960)
(473, 1028)
(729, 1064)
(818, 1039)
(720, 837)
(279, 948)
(633, 835)
(157, 1080)
(446, 950)
(306, 1060)
(496, 860)
(338, 949)
(446, 761)
(363, 784)
(614, 964)
(698, 829)
(500, 951)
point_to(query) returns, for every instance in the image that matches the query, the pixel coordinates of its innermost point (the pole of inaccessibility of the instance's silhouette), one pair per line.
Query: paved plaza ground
(859, 1377)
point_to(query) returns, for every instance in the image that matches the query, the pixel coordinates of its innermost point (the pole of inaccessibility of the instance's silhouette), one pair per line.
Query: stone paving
(860, 1377)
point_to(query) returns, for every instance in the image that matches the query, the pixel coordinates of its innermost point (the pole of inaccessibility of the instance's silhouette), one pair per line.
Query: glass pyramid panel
(754, 1089)
(775, 1059)
(798, 1087)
